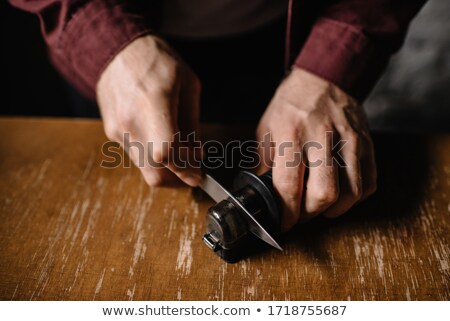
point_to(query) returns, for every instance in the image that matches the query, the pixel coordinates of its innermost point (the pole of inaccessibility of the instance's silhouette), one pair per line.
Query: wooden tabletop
(72, 230)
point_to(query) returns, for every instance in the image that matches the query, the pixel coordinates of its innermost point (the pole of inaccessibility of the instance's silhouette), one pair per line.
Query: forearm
(352, 41)
(83, 36)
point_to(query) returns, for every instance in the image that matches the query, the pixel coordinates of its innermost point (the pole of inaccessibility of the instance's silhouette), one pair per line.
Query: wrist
(145, 60)
(313, 88)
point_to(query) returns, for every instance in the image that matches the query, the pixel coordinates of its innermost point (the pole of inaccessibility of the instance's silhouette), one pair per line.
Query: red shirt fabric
(348, 42)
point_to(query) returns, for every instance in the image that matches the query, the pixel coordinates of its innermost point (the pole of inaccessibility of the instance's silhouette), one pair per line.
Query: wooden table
(72, 230)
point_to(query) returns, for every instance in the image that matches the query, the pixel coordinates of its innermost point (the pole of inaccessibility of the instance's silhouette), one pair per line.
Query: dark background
(33, 86)
(413, 95)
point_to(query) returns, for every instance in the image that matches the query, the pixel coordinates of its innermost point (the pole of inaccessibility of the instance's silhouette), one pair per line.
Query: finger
(322, 185)
(288, 174)
(167, 149)
(350, 180)
(265, 150)
(157, 177)
(154, 174)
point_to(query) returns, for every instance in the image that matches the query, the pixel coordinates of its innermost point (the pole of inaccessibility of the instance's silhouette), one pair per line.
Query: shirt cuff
(92, 38)
(342, 54)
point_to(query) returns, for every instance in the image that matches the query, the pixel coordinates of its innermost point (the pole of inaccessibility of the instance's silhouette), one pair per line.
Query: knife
(219, 193)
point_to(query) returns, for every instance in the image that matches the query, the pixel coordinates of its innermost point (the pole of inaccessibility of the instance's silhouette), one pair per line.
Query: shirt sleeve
(84, 36)
(351, 42)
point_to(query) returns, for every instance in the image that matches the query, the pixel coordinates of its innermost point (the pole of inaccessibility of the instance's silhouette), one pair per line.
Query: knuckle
(289, 189)
(162, 86)
(301, 116)
(325, 196)
(170, 75)
(111, 131)
(160, 154)
(344, 128)
(170, 68)
(353, 137)
(125, 120)
(324, 127)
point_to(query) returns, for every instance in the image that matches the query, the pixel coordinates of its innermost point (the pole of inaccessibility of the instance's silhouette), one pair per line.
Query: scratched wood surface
(71, 230)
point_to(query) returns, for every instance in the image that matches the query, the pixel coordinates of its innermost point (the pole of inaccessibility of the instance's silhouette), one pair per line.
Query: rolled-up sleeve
(350, 44)
(84, 36)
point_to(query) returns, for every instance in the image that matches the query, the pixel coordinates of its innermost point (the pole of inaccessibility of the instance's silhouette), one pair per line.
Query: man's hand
(148, 92)
(304, 108)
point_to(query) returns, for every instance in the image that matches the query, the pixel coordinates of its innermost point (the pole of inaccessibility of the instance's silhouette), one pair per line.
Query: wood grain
(72, 230)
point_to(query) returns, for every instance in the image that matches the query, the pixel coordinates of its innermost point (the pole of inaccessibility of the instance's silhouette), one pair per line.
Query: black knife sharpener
(227, 230)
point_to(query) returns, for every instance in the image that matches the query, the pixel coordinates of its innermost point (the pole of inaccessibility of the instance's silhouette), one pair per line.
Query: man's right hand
(150, 93)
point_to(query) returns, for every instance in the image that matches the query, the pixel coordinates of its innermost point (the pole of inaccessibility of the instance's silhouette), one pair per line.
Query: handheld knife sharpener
(228, 232)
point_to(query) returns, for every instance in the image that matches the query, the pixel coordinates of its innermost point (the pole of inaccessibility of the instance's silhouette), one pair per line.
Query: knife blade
(219, 193)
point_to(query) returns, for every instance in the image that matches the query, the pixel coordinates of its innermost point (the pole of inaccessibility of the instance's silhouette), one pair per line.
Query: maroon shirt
(348, 42)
